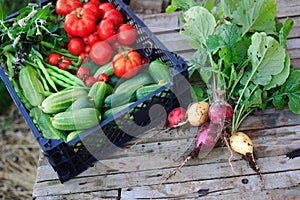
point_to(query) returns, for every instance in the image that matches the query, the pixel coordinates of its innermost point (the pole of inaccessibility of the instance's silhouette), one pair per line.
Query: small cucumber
(73, 135)
(145, 90)
(80, 119)
(31, 85)
(98, 92)
(117, 99)
(110, 112)
(61, 100)
(43, 122)
(114, 80)
(83, 102)
(106, 69)
(134, 83)
(159, 71)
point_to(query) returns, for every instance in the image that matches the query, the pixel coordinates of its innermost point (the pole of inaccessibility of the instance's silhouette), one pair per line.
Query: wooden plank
(113, 195)
(288, 8)
(218, 188)
(190, 173)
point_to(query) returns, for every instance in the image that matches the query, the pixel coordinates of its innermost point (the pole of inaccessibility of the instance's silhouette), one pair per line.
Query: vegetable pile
(73, 64)
(242, 63)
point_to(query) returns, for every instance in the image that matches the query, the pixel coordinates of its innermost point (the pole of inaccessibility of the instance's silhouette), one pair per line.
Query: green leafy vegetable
(256, 15)
(290, 92)
(240, 48)
(199, 25)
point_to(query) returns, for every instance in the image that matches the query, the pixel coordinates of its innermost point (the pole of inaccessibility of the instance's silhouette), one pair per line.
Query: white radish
(197, 113)
(242, 144)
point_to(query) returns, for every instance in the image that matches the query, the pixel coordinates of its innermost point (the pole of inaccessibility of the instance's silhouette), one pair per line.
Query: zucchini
(83, 102)
(98, 92)
(105, 69)
(134, 83)
(80, 119)
(61, 100)
(31, 85)
(110, 112)
(159, 71)
(145, 90)
(43, 122)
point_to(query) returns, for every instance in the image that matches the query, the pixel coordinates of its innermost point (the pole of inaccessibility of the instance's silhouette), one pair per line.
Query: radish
(176, 116)
(242, 144)
(220, 112)
(207, 137)
(197, 113)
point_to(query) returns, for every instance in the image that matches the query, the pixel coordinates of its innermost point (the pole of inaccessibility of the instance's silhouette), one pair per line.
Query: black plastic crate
(70, 159)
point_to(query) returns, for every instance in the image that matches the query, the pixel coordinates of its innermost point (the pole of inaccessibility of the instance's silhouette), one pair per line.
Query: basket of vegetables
(87, 77)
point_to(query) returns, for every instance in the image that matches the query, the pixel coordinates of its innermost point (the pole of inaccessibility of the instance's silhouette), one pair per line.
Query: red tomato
(103, 78)
(93, 8)
(64, 63)
(101, 53)
(83, 56)
(82, 72)
(89, 81)
(91, 39)
(96, 2)
(106, 30)
(75, 46)
(64, 7)
(126, 34)
(80, 22)
(87, 48)
(105, 7)
(115, 16)
(126, 64)
(145, 61)
(54, 58)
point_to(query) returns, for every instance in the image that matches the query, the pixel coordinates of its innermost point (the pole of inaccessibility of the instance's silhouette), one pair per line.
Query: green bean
(67, 74)
(44, 81)
(61, 77)
(60, 82)
(45, 72)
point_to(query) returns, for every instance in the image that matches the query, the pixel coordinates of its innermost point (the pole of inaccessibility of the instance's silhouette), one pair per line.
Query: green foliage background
(10, 7)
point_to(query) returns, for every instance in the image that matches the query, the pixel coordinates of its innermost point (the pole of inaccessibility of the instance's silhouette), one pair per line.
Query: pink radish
(220, 112)
(176, 116)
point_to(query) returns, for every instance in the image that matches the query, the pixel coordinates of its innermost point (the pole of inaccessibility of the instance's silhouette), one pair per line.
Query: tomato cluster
(98, 32)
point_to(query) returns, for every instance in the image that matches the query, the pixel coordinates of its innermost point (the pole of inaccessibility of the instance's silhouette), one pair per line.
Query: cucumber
(83, 102)
(43, 122)
(98, 92)
(31, 85)
(114, 80)
(117, 99)
(110, 112)
(80, 119)
(74, 134)
(61, 100)
(134, 83)
(106, 69)
(159, 71)
(145, 90)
